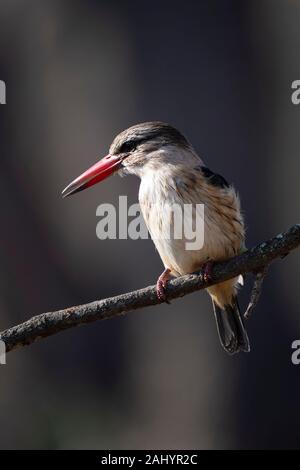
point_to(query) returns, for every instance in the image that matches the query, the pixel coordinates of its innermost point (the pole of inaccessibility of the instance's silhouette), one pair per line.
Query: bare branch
(50, 323)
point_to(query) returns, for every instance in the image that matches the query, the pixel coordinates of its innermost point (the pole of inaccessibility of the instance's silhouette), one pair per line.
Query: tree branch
(47, 324)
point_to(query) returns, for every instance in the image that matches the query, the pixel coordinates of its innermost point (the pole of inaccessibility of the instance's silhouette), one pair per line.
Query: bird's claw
(161, 286)
(206, 271)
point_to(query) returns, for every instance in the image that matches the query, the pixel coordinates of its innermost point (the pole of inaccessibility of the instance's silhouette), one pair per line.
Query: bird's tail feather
(231, 329)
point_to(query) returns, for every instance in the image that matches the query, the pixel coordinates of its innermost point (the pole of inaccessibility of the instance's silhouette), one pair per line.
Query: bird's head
(138, 148)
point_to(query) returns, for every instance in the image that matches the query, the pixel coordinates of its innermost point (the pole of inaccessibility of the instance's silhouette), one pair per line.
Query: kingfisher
(171, 172)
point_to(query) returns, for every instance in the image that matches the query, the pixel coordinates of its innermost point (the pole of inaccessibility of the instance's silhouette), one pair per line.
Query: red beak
(98, 172)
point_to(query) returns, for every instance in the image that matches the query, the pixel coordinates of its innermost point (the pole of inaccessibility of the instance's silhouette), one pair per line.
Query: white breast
(160, 189)
(159, 201)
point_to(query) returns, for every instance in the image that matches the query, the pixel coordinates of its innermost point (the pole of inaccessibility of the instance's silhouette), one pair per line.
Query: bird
(171, 171)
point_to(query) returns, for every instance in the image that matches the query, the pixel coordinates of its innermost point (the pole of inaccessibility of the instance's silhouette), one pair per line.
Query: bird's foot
(206, 271)
(161, 285)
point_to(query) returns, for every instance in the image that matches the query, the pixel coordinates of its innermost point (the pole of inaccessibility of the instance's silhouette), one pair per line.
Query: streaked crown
(158, 133)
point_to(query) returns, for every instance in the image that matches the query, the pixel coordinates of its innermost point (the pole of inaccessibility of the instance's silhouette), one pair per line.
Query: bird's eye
(128, 146)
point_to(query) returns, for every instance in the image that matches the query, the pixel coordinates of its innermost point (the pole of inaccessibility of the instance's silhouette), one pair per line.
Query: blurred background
(78, 72)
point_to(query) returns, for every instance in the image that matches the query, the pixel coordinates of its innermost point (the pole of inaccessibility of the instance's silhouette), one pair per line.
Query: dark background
(77, 72)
